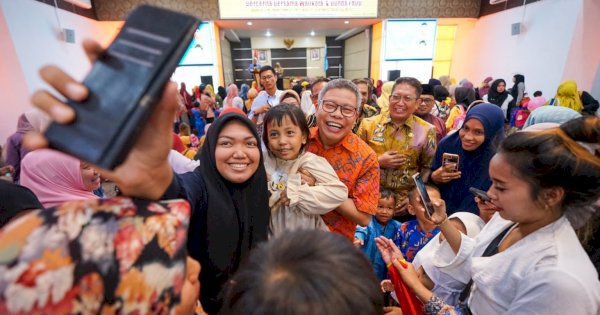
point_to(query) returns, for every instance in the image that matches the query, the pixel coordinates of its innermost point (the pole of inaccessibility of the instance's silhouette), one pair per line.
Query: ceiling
(294, 27)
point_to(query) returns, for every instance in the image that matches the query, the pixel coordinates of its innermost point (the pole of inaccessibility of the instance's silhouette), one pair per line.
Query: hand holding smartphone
(450, 158)
(482, 195)
(422, 190)
(125, 84)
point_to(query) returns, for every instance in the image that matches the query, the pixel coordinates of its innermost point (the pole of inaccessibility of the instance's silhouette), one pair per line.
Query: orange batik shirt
(356, 165)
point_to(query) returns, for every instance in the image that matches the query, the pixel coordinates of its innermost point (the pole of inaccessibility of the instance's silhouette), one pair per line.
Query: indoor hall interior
(377, 39)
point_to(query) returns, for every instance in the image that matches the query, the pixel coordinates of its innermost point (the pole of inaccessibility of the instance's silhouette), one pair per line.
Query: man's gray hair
(342, 84)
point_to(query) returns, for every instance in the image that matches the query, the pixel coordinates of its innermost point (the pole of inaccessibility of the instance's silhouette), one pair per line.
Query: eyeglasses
(397, 98)
(389, 209)
(427, 101)
(331, 107)
(267, 77)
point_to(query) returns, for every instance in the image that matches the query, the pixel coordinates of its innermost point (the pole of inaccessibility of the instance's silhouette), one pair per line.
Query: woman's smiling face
(236, 154)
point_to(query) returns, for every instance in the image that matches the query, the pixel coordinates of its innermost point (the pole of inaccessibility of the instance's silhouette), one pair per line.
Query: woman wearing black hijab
(499, 96)
(517, 92)
(229, 197)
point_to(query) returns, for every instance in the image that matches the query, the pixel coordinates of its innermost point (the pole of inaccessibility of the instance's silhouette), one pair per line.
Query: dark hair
(440, 93)
(297, 88)
(184, 129)
(410, 81)
(385, 193)
(537, 93)
(553, 158)
(304, 272)
(277, 114)
(266, 68)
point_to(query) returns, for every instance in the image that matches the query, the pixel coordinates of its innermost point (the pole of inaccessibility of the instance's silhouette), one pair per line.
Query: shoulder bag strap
(491, 250)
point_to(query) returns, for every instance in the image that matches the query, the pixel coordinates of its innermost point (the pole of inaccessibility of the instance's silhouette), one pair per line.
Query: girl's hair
(184, 129)
(278, 113)
(554, 158)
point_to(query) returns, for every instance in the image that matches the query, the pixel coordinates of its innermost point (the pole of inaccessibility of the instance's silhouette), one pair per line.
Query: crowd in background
(265, 178)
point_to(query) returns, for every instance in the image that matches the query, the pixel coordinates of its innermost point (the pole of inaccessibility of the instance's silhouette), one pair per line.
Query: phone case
(450, 158)
(125, 84)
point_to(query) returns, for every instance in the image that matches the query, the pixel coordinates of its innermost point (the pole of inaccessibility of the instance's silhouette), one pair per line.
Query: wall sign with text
(278, 9)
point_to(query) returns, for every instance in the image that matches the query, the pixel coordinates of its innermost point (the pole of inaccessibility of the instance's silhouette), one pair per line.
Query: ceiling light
(268, 33)
(346, 22)
(249, 23)
(312, 33)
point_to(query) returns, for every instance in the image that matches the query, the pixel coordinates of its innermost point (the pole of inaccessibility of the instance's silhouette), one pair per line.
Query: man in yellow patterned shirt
(405, 144)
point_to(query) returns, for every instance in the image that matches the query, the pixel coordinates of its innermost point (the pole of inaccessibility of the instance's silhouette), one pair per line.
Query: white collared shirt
(547, 272)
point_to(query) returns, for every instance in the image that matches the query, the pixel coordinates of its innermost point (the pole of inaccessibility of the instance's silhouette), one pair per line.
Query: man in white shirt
(268, 97)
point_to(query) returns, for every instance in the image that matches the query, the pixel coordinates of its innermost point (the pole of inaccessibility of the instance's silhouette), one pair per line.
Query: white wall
(583, 61)
(314, 68)
(356, 56)
(15, 95)
(540, 52)
(31, 31)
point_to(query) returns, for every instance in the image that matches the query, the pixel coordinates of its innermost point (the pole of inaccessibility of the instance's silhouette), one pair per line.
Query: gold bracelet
(443, 221)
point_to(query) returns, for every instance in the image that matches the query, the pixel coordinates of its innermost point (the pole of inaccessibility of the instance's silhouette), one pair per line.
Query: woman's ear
(304, 139)
(553, 196)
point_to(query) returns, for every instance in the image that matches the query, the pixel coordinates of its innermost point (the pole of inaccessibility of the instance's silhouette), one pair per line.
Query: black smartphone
(125, 84)
(422, 190)
(480, 193)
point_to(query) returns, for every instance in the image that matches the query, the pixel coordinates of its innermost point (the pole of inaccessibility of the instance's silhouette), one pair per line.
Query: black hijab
(464, 96)
(493, 96)
(515, 89)
(237, 215)
(14, 199)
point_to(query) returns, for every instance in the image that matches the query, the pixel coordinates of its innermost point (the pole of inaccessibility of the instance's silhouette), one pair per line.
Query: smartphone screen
(449, 158)
(422, 190)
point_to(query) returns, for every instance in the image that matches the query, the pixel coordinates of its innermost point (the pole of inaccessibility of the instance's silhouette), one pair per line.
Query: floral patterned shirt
(411, 238)
(95, 256)
(357, 167)
(415, 138)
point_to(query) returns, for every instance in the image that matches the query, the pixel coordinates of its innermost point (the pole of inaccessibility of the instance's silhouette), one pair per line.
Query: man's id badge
(278, 181)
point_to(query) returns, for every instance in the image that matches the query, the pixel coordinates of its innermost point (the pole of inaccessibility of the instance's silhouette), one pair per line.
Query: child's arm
(361, 235)
(328, 193)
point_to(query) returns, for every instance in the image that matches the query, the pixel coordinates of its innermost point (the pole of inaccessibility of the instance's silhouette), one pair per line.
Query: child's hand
(389, 251)
(387, 286)
(306, 177)
(358, 242)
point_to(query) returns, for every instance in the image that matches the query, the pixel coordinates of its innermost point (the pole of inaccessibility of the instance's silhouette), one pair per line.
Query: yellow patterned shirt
(415, 138)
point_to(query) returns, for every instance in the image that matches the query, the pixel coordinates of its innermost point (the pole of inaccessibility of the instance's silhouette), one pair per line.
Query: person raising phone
(228, 192)
(527, 259)
(475, 144)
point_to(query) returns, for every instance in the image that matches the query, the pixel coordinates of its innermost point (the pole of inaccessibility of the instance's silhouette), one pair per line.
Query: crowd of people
(259, 200)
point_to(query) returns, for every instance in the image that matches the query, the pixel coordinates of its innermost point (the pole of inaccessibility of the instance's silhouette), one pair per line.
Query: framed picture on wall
(262, 56)
(314, 54)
